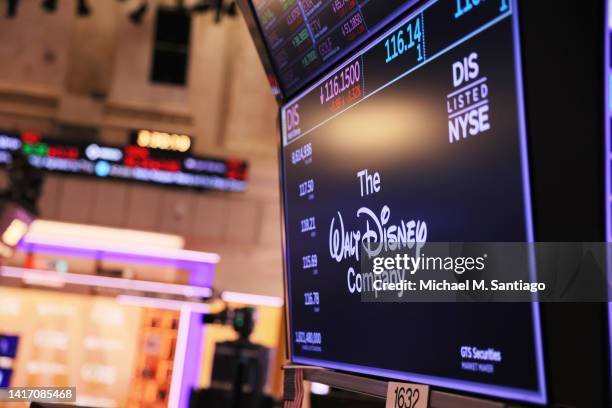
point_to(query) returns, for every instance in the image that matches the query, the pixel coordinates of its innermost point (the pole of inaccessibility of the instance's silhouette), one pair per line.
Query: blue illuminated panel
(5, 377)
(8, 346)
(8, 350)
(419, 136)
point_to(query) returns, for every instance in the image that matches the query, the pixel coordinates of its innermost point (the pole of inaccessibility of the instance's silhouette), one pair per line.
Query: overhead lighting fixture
(49, 5)
(319, 389)
(232, 10)
(137, 15)
(219, 10)
(14, 223)
(201, 7)
(15, 231)
(82, 8)
(81, 234)
(11, 10)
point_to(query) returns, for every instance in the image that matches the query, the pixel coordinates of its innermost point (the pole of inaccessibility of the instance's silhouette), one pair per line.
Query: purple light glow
(193, 357)
(540, 397)
(190, 340)
(200, 264)
(167, 257)
(58, 278)
(607, 157)
(461, 385)
(180, 357)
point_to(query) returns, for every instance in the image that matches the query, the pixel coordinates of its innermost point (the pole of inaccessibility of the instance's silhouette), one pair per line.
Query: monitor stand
(378, 388)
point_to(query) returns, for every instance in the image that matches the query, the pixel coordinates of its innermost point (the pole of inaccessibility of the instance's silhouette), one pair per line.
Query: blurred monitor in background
(18, 203)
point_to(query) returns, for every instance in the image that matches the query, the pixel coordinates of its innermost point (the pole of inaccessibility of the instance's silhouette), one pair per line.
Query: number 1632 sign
(406, 395)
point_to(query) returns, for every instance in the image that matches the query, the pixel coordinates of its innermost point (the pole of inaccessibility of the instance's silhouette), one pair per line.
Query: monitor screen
(418, 135)
(305, 37)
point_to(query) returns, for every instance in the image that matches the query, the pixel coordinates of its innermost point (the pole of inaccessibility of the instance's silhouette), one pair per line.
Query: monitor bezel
(468, 387)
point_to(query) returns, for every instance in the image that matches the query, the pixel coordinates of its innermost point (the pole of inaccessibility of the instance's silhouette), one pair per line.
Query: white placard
(407, 395)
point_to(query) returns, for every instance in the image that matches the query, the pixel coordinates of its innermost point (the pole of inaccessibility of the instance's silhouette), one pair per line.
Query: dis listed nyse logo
(468, 104)
(292, 121)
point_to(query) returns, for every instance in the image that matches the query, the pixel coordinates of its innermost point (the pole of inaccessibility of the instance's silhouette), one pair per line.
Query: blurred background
(137, 147)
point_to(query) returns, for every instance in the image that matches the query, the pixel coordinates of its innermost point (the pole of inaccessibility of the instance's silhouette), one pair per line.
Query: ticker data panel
(416, 138)
(305, 37)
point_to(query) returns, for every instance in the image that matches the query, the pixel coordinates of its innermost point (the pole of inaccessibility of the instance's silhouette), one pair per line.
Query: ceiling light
(49, 5)
(137, 15)
(82, 8)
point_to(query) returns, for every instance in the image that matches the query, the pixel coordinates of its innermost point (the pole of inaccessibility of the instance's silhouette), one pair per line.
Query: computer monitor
(448, 121)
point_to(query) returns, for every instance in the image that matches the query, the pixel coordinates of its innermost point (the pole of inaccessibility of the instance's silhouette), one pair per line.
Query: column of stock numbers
(303, 156)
